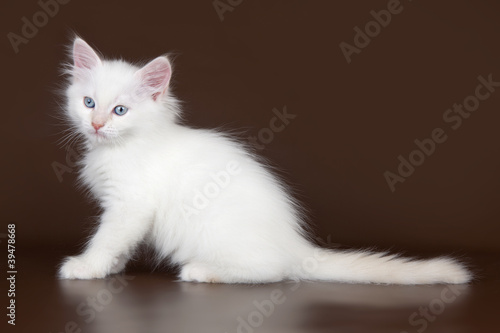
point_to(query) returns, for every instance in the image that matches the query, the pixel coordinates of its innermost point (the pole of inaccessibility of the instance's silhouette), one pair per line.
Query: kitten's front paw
(77, 268)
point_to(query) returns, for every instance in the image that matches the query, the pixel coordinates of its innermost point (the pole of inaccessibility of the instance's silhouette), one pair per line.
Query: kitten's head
(110, 101)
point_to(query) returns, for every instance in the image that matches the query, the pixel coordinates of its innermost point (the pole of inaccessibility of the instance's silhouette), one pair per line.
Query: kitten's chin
(98, 138)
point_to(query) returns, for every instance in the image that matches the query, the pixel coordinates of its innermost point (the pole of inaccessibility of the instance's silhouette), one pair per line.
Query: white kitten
(197, 196)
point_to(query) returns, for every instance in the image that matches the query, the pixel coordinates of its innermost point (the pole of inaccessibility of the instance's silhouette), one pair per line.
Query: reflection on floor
(144, 301)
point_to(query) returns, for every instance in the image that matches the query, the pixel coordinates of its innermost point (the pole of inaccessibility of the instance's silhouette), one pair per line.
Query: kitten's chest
(114, 175)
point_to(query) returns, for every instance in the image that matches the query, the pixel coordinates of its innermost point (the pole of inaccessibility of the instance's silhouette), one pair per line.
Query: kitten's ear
(154, 77)
(84, 57)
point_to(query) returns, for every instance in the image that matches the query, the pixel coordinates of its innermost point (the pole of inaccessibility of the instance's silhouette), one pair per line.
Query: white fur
(147, 171)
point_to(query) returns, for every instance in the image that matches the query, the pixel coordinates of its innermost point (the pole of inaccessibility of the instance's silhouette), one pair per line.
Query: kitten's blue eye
(120, 110)
(89, 102)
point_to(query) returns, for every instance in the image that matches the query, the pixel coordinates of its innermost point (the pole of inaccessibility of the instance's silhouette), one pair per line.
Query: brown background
(353, 120)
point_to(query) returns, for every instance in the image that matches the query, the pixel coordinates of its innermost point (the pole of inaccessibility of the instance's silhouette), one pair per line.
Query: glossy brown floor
(141, 301)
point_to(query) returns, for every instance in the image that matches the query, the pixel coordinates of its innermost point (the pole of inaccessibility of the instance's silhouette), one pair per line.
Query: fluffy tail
(368, 267)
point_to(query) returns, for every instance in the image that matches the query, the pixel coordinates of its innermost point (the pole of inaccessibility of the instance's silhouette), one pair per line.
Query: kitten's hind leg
(198, 272)
(201, 272)
(119, 264)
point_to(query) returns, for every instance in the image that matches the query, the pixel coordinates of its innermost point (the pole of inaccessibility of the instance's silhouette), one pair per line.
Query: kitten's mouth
(98, 136)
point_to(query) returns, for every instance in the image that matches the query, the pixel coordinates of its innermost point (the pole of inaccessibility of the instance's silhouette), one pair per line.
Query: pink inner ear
(155, 77)
(84, 56)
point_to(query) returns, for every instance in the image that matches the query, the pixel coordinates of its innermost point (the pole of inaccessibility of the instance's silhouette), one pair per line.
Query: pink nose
(97, 126)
